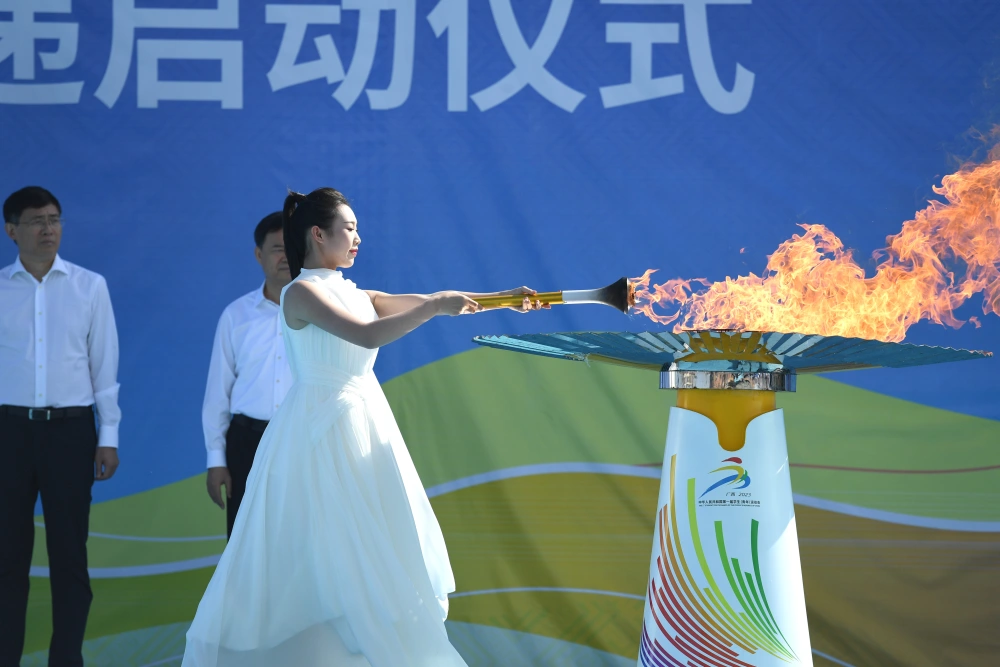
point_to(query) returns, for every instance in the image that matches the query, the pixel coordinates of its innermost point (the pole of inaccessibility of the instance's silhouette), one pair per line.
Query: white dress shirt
(248, 374)
(58, 343)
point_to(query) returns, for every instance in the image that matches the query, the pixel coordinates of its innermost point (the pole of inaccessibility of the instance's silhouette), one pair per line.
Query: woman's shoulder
(299, 288)
(294, 286)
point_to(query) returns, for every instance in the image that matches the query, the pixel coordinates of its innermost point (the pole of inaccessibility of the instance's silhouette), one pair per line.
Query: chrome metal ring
(760, 381)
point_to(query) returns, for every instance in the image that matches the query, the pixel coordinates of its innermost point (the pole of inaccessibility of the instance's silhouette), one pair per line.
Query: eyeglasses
(42, 221)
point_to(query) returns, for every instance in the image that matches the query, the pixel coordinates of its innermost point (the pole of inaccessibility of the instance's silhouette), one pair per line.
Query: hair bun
(295, 199)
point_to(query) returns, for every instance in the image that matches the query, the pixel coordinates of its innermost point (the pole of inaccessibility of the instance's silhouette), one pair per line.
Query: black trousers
(241, 446)
(54, 458)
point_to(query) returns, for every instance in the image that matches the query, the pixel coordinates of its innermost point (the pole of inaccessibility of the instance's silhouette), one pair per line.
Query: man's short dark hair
(32, 196)
(270, 223)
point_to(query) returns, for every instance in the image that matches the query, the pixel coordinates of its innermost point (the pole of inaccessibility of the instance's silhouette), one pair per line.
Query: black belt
(45, 414)
(258, 425)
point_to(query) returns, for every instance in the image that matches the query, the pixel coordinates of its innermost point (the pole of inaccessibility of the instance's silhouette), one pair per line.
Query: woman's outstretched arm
(387, 305)
(304, 304)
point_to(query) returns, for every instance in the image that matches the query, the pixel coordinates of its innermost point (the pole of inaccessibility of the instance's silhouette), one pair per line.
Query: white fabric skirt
(336, 558)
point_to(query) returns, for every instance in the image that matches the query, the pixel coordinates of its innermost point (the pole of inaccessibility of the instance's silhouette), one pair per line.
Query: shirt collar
(260, 299)
(58, 265)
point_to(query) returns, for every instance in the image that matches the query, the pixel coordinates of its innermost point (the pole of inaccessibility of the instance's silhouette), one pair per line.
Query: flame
(947, 253)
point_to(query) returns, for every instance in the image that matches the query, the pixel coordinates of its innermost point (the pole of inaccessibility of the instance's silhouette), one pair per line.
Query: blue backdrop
(853, 111)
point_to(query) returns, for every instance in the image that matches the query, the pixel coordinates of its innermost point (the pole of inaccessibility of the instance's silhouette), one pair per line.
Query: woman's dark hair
(25, 198)
(303, 212)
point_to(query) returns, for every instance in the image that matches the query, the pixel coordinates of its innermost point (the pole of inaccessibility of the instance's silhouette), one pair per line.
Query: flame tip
(947, 253)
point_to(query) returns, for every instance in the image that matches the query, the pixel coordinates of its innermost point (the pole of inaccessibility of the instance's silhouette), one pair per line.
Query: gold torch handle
(515, 300)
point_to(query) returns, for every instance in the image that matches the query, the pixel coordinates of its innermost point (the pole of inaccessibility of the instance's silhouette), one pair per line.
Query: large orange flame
(947, 253)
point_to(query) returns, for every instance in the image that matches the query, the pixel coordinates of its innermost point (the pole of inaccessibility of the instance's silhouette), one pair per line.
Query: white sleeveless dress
(336, 558)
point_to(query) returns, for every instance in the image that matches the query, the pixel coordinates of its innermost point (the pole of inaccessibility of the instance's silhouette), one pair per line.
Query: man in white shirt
(58, 361)
(248, 376)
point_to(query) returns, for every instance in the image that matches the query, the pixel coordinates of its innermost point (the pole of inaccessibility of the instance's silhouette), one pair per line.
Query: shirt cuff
(216, 458)
(107, 436)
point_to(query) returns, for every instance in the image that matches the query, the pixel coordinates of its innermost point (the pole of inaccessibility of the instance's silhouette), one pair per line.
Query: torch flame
(947, 253)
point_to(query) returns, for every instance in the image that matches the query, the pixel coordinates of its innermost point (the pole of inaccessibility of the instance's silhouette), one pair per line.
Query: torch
(620, 295)
(725, 582)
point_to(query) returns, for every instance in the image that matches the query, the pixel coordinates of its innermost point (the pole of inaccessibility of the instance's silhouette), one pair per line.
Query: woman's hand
(528, 304)
(454, 303)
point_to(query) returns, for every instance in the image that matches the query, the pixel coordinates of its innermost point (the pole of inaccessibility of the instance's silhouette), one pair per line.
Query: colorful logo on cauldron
(740, 477)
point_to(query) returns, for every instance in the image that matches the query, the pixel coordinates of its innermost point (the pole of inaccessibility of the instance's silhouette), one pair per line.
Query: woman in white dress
(336, 558)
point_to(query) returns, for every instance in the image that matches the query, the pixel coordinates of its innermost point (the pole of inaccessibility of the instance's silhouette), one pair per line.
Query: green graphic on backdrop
(542, 476)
